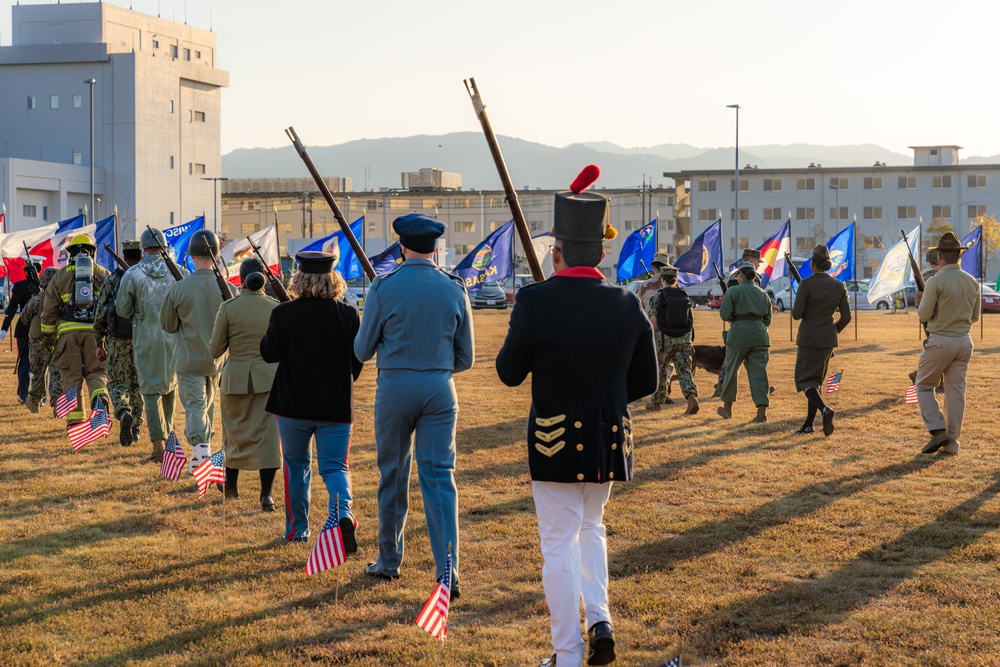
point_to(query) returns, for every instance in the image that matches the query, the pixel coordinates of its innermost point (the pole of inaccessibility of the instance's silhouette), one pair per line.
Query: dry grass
(758, 546)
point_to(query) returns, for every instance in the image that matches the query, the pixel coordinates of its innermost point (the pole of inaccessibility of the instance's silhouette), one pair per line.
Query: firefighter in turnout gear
(68, 317)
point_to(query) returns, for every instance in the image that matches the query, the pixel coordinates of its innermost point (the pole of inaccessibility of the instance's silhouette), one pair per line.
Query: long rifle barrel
(515, 206)
(171, 264)
(328, 196)
(224, 287)
(118, 258)
(918, 278)
(276, 286)
(794, 270)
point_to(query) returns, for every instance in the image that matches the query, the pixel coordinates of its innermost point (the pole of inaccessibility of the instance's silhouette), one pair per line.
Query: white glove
(3, 336)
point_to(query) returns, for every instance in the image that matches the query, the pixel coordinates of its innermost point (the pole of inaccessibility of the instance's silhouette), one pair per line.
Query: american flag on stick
(675, 662)
(96, 427)
(66, 403)
(911, 395)
(833, 382)
(212, 469)
(433, 618)
(329, 549)
(173, 460)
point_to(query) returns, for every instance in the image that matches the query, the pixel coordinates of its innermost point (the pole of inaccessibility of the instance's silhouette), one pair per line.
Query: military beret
(418, 231)
(132, 244)
(316, 262)
(668, 270)
(820, 251)
(661, 259)
(751, 252)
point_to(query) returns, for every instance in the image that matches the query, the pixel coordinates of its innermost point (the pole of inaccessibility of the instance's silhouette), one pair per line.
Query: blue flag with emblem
(348, 266)
(491, 260)
(694, 266)
(75, 222)
(388, 260)
(841, 249)
(636, 257)
(179, 237)
(105, 233)
(971, 261)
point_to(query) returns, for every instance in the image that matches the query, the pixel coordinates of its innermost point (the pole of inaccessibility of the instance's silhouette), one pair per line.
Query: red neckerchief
(579, 272)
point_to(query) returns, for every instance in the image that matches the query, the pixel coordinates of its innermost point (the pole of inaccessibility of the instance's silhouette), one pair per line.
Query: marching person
(68, 316)
(20, 294)
(189, 310)
(114, 345)
(141, 293)
(750, 256)
(419, 320)
(819, 297)
(312, 341)
(950, 304)
(249, 434)
(673, 330)
(931, 258)
(748, 309)
(645, 293)
(589, 348)
(39, 355)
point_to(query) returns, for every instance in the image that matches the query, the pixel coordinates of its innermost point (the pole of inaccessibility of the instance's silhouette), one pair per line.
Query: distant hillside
(532, 164)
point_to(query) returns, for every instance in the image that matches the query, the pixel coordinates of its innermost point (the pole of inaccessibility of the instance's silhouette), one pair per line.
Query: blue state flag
(388, 260)
(694, 266)
(636, 257)
(491, 260)
(841, 249)
(70, 223)
(348, 266)
(178, 239)
(970, 261)
(105, 234)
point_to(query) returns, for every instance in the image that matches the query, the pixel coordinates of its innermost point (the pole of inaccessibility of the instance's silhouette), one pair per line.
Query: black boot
(266, 483)
(232, 479)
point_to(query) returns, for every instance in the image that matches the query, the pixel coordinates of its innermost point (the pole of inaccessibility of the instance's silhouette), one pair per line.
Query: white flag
(894, 272)
(542, 245)
(234, 252)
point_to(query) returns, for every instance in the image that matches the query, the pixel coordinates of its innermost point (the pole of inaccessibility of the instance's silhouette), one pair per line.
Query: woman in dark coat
(312, 340)
(819, 297)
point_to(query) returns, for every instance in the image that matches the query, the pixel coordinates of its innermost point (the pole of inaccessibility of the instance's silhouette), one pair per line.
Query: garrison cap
(311, 261)
(660, 260)
(418, 231)
(820, 251)
(132, 244)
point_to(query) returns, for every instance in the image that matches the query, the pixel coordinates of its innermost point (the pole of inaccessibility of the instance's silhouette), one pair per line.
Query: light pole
(215, 198)
(91, 83)
(736, 186)
(836, 190)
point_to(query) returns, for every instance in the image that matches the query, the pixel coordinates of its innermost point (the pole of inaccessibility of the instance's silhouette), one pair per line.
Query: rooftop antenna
(210, 28)
(185, 13)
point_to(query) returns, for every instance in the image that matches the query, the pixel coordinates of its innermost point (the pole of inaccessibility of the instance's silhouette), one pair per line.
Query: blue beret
(418, 231)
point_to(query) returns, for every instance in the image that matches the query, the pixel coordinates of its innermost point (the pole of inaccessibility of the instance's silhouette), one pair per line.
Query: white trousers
(570, 524)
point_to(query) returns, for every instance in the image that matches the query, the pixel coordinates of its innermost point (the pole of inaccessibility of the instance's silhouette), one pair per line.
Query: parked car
(991, 300)
(783, 299)
(510, 287)
(355, 296)
(490, 295)
(714, 301)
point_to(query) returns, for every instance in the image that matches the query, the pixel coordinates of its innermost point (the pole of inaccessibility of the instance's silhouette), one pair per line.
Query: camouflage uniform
(39, 354)
(123, 379)
(677, 351)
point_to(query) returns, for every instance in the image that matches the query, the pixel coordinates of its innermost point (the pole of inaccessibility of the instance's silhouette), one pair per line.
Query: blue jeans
(333, 443)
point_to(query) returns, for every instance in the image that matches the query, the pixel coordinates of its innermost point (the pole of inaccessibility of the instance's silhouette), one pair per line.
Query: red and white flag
(911, 395)
(433, 618)
(173, 460)
(234, 252)
(96, 427)
(329, 550)
(211, 470)
(12, 249)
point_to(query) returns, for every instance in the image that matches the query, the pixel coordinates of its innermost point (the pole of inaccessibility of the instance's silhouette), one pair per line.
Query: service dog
(709, 357)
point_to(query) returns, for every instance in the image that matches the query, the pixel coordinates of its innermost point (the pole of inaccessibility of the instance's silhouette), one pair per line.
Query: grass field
(747, 543)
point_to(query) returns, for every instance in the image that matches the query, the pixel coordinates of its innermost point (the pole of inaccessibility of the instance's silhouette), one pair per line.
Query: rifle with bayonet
(224, 287)
(722, 281)
(171, 264)
(794, 270)
(276, 286)
(118, 258)
(918, 278)
(30, 273)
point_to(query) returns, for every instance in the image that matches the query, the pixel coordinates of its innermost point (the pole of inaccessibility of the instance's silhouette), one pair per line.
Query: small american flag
(212, 469)
(676, 662)
(66, 403)
(911, 395)
(174, 459)
(329, 549)
(433, 618)
(96, 427)
(833, 383)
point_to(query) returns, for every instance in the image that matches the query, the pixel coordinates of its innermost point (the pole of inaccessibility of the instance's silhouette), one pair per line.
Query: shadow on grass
(827, 600)
(843, 351)
(36, 505)
(52, 543)
(491, 436)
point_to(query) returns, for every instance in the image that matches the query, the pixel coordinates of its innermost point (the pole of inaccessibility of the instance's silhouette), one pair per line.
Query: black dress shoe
(349, 533)
(548, 662)
(135, 433)
(602, 644)
(827, 422)
(267, 503)
(372, 572)
(455, 592)
(298, 538)
(804, 429)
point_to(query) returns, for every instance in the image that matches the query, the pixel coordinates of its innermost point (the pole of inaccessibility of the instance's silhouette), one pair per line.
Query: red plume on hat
(585, 179)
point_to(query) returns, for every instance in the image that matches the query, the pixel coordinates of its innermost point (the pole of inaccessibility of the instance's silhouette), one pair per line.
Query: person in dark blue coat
(589, 348)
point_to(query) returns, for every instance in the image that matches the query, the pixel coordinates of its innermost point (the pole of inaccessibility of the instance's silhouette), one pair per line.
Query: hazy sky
(631, 72)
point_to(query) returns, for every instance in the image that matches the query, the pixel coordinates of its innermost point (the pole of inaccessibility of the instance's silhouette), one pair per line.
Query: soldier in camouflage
(676, 350)
(39, 354)
(114, 342)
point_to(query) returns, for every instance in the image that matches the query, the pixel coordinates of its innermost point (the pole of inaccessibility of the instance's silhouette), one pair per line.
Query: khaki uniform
(75, 353)
(249, 432)
(748, 308)
(123, 379)
(675, 351)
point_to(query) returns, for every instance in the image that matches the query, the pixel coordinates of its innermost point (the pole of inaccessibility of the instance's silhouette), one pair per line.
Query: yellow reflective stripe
(100, 391)
(66, 296)
(48, 328)
(66, 327)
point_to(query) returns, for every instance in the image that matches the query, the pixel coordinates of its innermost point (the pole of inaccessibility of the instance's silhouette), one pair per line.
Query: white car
(783, 298)
(355, 296)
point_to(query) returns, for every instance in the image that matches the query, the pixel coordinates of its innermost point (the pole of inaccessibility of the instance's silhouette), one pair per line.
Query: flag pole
(791, 292)
(336, 570)
(982, 276)
(854, 262)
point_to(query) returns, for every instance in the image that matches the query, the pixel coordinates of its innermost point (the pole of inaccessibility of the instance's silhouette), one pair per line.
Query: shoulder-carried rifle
(794, 270)
(171, 264)
(224, 287)
(276, 286)
(118, 258)
(722, 281)
(918, 278)
(29, 271)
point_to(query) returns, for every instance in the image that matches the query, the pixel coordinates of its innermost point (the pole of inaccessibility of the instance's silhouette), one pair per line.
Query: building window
(187, 54)
(190, 115)
(463, 249)
(632, 225)
(29, 211)
(867, 272)
(805, 213)
(78, 101)
(497, 224)
(744, 214)
(976, 210)
(872, 242)
(77, 157)
(199, 116)
(284, 228)
(873, 183)
(190, 168)
(803, 245)
(873, 212)
(839, 183)
(744, 242)
(708, 214)
(744, 185)
(156, 43)
(706, 185)
(465, 226)
(197, 55)
(907, 183)
(199, 168)
(248, 227)
(53, 101)
(170, 106)
(940, 212)
(838, 214)
(906, 212)
(173, 50)
(805, 184)
(32, 104)
(171, 218)
(772, 185)
(772, 214)
(976, 180)
(45, 213)
(171, 161)
(941, 181)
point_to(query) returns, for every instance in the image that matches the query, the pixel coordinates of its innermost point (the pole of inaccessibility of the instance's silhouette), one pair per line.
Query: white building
(821, 201)
(156, 116)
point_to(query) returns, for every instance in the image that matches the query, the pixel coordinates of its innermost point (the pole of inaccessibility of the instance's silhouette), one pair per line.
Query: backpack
(673, 312)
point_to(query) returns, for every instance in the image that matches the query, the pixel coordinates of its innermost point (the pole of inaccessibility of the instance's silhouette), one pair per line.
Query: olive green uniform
(123, 379)
(748, 308)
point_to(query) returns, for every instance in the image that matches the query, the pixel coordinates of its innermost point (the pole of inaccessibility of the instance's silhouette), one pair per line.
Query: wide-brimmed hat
(949, 241)
(820, 251)
(661, 259)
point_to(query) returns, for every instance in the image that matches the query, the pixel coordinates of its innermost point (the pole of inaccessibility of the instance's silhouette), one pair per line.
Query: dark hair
(820, 264)
(949, 256)
(581, 253)
(131, 255)
(748, 273)
(670, 280)
(254, 282)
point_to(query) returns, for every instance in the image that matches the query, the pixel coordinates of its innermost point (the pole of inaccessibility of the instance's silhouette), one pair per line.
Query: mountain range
(378, 163)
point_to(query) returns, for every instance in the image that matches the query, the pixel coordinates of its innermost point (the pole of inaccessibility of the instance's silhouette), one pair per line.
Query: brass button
(579, 448)
(614, 446)
(579, 477)
(578, 424)
(614, 429)
(611, 475)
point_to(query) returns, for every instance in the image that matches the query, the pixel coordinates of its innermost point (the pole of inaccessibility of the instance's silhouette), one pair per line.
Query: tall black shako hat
(582, 216)
(418, 232)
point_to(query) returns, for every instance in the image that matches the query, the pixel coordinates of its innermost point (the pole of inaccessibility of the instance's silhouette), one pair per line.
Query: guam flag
(348, 266)
(841, 249)
(489, 261)
(772, 255)
(637, 253)
(695, 264)
(970, 261)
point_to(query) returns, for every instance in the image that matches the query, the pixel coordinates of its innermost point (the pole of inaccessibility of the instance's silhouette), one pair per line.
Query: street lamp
(215, 198)
(736, 186)
(91, 83)
(836, 190)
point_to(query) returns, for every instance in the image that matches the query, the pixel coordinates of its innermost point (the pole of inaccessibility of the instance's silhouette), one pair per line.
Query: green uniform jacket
(746, 299)
(239, 326)
(190, 309)
(819, 297)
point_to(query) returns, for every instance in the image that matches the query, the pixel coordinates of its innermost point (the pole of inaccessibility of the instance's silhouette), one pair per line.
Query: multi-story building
(821, 201)
(155, 125)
